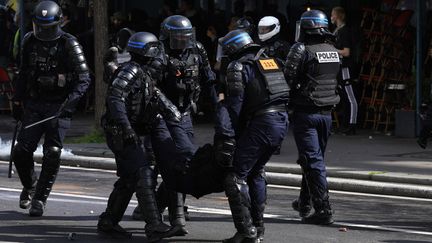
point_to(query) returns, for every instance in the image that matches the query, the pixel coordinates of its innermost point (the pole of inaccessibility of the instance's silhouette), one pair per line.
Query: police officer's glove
(224, 150)
(17, 111)
(129, 135)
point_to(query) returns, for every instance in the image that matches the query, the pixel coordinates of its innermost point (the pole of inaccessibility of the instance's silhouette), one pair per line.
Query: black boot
(161, 199)
(50, 167)
(257, 213)
(176, 212)
(303, 204)
(238, 197)
(25, 167)
(117, 204)
(319, 193)
(155, 229)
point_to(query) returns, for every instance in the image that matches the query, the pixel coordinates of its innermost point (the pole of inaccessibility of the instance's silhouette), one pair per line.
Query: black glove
(17, 111)
(224, 150)
(129, 135)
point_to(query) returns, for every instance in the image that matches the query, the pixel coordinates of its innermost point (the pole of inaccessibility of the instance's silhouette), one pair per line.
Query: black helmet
(144, 44)
(246, 24)
(122, 38)
(47, 17)
(314, 22)
(178, 29)
(236, 41)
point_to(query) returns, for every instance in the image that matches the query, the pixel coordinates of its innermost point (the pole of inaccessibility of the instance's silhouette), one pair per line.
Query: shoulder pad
(127, 74)
(235, 66)
(70, 40)
(199, 45)
(298, 47)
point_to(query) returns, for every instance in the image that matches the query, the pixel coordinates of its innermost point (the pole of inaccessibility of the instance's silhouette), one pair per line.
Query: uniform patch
(268, 64)
(327, 56)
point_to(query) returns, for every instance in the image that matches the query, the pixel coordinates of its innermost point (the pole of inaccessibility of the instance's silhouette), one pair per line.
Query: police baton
(15, 134)
(49, 118)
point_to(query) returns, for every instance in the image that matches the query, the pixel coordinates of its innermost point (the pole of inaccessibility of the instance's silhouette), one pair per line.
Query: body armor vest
(318, 86)
(182, 83)
(48, 78)
(267, 88)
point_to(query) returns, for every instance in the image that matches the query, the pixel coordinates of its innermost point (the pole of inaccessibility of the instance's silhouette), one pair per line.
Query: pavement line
(360, 194)
(71, 168)
(228, 212)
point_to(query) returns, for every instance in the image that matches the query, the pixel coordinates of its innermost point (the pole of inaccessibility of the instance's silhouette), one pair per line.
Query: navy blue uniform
(53, 77)
(253, 113)
(311, 69)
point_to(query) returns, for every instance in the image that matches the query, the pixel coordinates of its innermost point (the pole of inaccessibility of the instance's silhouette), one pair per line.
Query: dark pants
(173, 143)
(129, 159)
(254, 148)
(349, 105)
(311, 133)
(54, 132)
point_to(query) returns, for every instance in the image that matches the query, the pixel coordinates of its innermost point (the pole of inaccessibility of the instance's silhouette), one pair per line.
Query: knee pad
(52, 153)
(235, 186)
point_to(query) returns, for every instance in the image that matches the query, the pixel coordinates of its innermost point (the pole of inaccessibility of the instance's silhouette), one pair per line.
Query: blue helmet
(314, 22)
(236, 41)
(47, 17)
(178, 30)
(144, 44)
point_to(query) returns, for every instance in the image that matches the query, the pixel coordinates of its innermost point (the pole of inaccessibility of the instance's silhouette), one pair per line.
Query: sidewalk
(368, 162)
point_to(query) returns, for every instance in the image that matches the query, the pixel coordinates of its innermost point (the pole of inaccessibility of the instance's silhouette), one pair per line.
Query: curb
(282, 175)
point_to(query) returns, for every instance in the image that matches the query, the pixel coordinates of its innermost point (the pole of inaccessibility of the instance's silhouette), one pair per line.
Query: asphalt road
(80, 195)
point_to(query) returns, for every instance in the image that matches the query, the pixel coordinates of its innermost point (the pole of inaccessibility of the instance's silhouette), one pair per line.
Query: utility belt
(325, 110)
(270, 109)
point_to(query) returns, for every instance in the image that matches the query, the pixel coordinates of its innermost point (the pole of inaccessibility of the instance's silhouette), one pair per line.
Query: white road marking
(217, 211)
(360, 194)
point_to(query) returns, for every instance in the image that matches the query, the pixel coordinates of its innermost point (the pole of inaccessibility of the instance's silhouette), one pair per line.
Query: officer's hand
(17, 111)
(224, 150)
(129, 135)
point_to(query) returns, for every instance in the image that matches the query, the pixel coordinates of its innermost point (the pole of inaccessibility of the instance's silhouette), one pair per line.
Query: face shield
(182, 38)
(47, 32)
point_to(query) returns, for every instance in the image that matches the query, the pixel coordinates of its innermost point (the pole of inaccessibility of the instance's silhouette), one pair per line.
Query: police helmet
(47, 17)
(179, 31)
(122, 38)
(268, 27)
(236, 41)
(143, 44)
(314, 22)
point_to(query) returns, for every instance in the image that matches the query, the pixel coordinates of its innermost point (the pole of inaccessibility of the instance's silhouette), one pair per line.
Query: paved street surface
(80, 195)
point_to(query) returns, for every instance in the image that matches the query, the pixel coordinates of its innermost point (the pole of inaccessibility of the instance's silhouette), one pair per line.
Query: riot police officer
(253, 118)
(268, 34)
(53, 77)
(186, 73)
(132, 105)
(311, 69)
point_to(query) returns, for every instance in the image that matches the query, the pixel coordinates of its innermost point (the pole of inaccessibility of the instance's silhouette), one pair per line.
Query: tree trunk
(100, 15)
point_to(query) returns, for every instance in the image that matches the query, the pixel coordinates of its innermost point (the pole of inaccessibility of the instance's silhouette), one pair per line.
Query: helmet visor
(182, 39)
(46, 32)
(266, 29)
